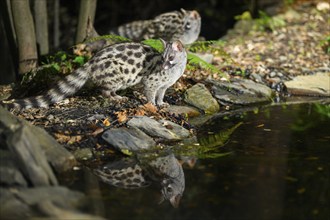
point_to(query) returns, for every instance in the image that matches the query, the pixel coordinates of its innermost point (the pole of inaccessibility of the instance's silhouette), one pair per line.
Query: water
(278, 168)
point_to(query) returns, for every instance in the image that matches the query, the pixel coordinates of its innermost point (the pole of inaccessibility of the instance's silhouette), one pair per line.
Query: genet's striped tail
(63, 88)
(133, 30)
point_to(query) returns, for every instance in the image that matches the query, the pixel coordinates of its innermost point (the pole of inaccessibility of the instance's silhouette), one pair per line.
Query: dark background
(217, 15)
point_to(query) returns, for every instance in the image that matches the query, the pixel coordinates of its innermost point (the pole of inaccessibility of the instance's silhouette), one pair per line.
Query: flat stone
(183, 110)
(132, 139)
(60, 158)
(200, 97)
(162, 129)
(310, 85)
(241, 92)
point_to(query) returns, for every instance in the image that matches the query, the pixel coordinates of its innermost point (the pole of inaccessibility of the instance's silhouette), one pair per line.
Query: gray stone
(200, 97)
(9, 171)
(310, 85)
(272, 74)
(31, 158)
(131, 139)
(163, 129)
(57, 202)
(83, 154)
(241, 92)
(60, 159)
(182, 110)
(257, 77)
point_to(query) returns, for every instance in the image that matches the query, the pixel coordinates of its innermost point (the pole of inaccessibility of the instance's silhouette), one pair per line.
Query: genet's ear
(183, 11)
(177, 46)
(163, 42)
(195, 14)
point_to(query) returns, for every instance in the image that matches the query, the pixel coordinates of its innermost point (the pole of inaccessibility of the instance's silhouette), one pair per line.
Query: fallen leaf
(150, 107)
(62, 138)
(140, 112)
(121, 116)
(106, 122)
(97, 131)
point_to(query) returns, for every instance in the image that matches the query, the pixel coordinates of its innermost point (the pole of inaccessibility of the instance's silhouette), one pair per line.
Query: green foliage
(208, 146)
(215, 47)
(289, 2)
(52, 66)
(325, 44)
(244, 16)
(194, 61)
(156, 44)
(265, 22)
(322, 110)
(319, 113)
(64, 62)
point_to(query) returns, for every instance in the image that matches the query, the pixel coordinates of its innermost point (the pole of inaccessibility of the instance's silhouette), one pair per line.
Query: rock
(182, 110)
(131, 139)
(200, 97)
(10, 126)
(241, 92)
(83, 154)
(257, 77)
(57, 202)
(31, 157)
(291, 15)
(310, 85)
(162, 129)
(9, 171)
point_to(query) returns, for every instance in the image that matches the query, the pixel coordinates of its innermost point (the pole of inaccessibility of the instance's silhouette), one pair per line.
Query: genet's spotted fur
(118, 67)
(177, 25)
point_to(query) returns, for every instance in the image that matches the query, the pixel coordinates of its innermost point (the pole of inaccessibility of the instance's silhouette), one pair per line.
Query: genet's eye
(169, 189)
(171, 58)
(188, 25)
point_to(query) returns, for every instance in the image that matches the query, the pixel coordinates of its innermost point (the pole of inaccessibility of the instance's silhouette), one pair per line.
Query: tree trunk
(9, 53)
(56, 35)
(41, 24)
(26, 39)
(86, 12)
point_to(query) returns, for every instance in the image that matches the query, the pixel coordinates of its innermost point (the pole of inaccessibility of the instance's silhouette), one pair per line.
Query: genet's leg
(113, 96)
(160, 95)
(150, 94)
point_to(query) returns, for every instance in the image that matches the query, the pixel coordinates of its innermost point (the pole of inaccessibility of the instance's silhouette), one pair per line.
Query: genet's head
(191, 26)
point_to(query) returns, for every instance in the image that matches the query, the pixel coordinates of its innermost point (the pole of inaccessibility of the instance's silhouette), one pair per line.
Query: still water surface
(278, 168)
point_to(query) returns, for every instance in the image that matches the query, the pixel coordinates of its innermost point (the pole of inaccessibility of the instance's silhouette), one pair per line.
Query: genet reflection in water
(277, 168)
(142, 170)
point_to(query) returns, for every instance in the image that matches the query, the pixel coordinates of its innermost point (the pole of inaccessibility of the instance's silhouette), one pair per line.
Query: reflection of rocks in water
(130, 173)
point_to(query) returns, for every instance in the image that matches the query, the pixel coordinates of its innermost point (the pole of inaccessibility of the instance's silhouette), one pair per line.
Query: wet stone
(241, 92)
(200, 97)
(161, 129)
(310, 85)
(83, 154)
(131, 139)
(182, 110)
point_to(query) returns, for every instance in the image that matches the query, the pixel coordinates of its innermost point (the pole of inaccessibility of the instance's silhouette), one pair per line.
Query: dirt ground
(297, 46)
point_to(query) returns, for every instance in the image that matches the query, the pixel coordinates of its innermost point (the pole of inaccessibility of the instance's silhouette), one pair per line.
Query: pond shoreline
(87, 126)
